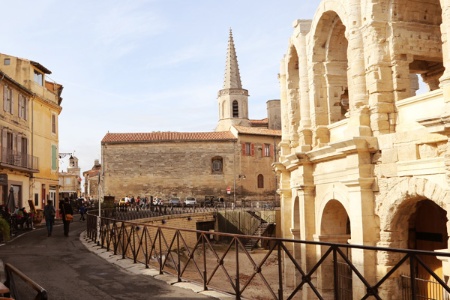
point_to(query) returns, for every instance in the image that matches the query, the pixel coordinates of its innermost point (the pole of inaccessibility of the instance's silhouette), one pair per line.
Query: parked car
(174, 201)
(190, 201)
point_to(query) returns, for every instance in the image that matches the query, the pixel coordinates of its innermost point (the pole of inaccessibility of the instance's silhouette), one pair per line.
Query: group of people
(66, 212)
(136, 202)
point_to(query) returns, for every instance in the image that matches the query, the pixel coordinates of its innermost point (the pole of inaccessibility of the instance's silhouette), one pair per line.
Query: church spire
(232, 98)
(232, 77)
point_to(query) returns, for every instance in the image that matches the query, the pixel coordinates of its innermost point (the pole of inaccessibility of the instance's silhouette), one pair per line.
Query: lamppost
(234, 189)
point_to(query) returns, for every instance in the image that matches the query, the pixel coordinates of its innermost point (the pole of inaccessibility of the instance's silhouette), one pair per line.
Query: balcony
(18, 161)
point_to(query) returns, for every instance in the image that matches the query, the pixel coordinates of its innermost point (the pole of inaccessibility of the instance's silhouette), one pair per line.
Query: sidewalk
(138, 268)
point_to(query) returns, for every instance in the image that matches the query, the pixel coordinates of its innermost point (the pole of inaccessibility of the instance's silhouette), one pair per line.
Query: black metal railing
(21, 286)
(329, 271)
(19, 159)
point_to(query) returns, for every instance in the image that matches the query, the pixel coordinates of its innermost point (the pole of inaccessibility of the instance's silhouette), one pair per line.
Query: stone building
(233, 162)
(364, 160)
(91, 180)
(31, 104)
(70, 181)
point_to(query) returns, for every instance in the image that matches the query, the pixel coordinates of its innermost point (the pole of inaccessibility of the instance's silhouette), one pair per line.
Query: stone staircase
(261, 230)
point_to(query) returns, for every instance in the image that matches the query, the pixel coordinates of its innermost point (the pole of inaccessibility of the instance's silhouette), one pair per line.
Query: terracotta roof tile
(257, 131)
(259, 122)
(167, 136)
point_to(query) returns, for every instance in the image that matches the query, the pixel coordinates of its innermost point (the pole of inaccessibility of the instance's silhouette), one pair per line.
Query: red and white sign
(228, 190)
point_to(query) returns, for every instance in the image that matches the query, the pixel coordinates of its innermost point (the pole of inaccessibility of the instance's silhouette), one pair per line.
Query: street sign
(228, 190)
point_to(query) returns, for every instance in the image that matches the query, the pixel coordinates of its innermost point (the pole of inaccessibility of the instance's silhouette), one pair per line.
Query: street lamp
(234, 189)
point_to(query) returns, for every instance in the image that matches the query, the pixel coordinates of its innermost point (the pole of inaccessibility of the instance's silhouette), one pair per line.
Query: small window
(7, 99)
(23, 107)
(248, 149)
(53, 123)
(235, 109)
(260, 181)
(54, 158)
(7, 61)
(267, 150)
(217, 165)
(38, 78)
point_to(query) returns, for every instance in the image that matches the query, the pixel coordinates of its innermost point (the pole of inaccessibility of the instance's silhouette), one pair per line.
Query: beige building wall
(362, 156)
(43, 108)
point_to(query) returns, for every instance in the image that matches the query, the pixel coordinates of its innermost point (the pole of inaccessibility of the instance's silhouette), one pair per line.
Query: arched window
(260, 181)
(217, 164)
(235, 109)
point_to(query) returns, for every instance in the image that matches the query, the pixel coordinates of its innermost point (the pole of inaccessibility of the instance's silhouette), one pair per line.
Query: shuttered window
(54, 158)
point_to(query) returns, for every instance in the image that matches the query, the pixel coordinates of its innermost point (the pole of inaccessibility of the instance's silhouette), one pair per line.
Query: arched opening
(416, 36)
(330, 77)
(260, 181)
(427, 230)
(235, 109)
(335, 228)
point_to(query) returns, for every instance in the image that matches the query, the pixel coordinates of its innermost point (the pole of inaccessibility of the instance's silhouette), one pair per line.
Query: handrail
(192, 255)
(11, 273)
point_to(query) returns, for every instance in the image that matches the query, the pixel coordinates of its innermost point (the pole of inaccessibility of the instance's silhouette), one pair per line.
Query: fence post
(336, 274)
(238, 294)
(412, 273)
(280, 273)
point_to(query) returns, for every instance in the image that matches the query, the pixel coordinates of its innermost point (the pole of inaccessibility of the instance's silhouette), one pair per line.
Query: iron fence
(19, 159)
(21, 286)
(329, 271)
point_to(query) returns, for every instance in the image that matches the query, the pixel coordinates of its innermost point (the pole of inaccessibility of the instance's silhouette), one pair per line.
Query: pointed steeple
(232, 98)
(232, 77)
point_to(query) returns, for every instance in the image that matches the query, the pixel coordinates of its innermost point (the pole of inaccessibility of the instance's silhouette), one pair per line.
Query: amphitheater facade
(365, 155)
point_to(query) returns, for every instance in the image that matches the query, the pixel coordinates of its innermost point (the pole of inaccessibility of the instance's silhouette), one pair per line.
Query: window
(54, 158)
(7, 61)
(23, 107)
(38, 78)
(7, 99)
(53, 123)
(248, 149)
(235, 109)
(217, 165)
(267, 150)
(260, 181)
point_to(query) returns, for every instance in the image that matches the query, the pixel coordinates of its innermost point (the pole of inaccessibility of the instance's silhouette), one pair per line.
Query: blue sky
(148, 65)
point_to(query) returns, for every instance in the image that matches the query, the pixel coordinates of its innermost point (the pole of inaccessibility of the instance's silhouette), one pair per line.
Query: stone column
(364, 230)
(445, 31)
(359, 123)
(302, 28)
(306, 195)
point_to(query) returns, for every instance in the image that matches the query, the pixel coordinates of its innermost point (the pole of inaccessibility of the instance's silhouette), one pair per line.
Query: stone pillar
(445, 31)
(358, 98)
(364, 230)
(302, 28)
(306, 194)
(284, 144)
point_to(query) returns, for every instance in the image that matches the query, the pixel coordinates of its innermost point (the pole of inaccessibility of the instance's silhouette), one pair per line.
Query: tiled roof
(167, 136)
(259, 122)
(257, 131)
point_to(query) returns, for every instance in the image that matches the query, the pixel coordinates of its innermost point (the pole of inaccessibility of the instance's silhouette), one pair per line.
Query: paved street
(68, 270)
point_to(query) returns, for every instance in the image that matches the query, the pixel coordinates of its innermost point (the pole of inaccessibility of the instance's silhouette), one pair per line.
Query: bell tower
(232, 98)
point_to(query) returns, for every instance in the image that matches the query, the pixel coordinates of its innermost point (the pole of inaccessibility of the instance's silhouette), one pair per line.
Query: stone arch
(329, 78)
(335, 193)
(401, 213)
(404, 193)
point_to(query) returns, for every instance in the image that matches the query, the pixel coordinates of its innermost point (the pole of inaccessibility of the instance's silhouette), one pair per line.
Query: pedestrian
(49, 214)
(67, 214)
(82, 212)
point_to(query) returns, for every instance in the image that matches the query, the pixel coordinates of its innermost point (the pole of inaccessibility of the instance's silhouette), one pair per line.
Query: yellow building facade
(31, 105)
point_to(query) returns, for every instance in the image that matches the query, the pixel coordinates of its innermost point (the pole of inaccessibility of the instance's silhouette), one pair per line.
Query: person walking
(82, 212)
(49, 215)
(67, 215)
